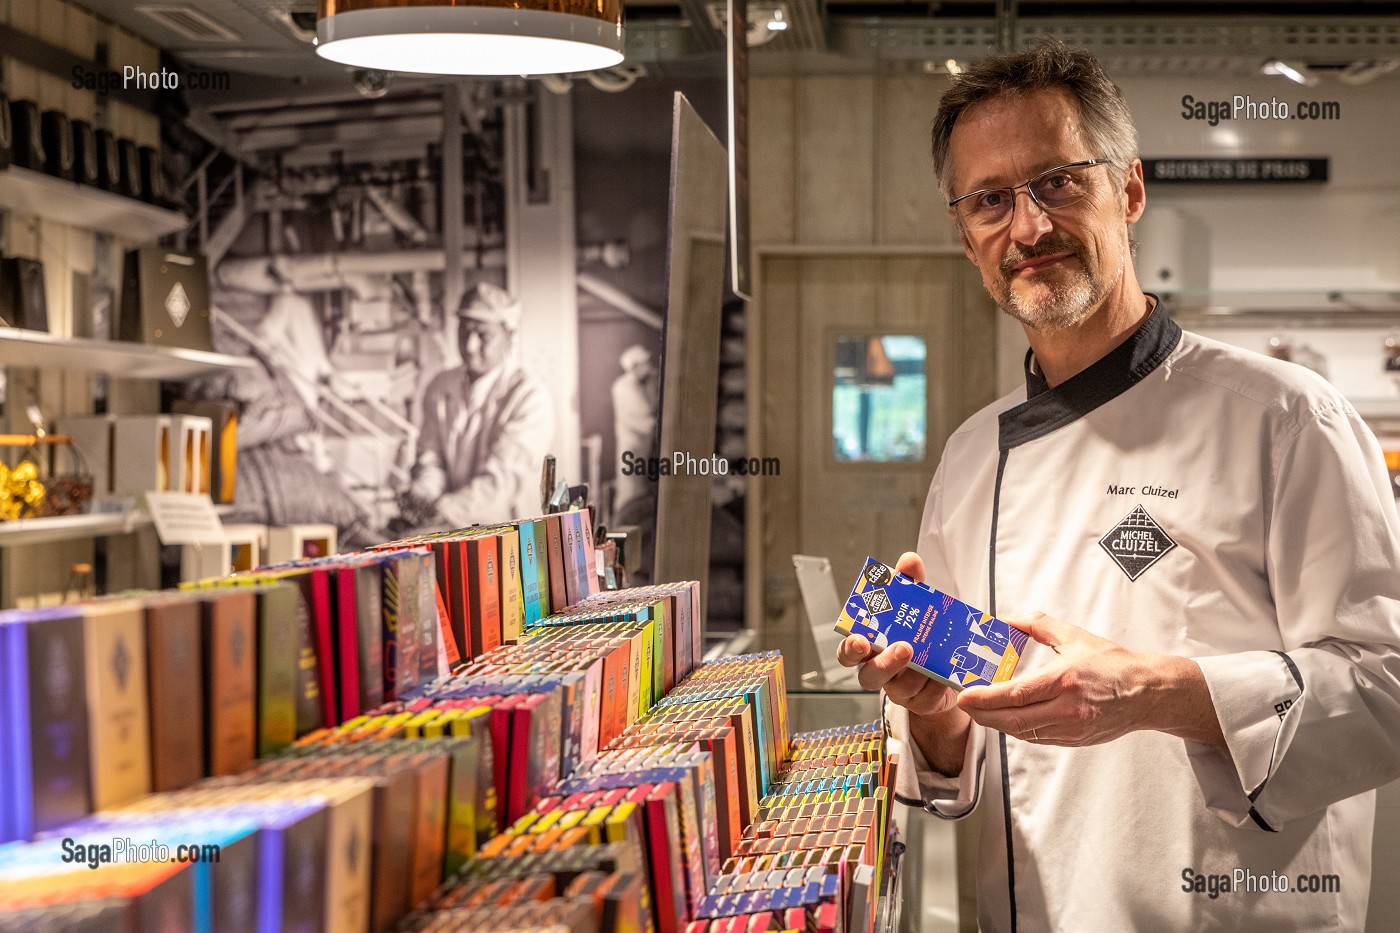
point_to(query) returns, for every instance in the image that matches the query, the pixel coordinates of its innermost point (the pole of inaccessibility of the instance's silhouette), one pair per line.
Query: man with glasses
(1212, 541)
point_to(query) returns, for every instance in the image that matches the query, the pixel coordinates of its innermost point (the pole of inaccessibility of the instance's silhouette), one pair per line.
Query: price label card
(184, 518)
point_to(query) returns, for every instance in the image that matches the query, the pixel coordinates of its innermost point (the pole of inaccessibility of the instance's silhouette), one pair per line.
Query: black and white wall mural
(391, 396)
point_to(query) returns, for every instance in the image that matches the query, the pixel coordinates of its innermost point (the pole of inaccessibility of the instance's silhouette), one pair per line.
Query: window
(879, 400)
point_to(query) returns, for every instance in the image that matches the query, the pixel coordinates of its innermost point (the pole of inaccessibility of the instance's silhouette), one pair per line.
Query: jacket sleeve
(916, 783)
(523, 435)
(1315, 722)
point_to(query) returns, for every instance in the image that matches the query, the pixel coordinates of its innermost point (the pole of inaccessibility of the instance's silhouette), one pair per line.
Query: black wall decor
(23, 302)
(28, 149)
(7, 136)
(109, 163)
(84, 153)
(152, 175)
(57, 133)
(165, 299)
(129, 182)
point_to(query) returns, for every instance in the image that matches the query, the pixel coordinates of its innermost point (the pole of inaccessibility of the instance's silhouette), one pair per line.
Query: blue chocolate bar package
(953, 643)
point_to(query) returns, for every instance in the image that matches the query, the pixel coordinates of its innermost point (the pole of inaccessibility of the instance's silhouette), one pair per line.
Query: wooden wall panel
(835, 155)
(909, 208)
(774, 348)
(53, 252)
(121, 118)
(772, 170)
(80, 33)
(123, 47)
(925, 290)
(53, 22)
(38, 576)
(147, 56)
(23, 81)
(53, 92)
(836, 294)
(22, 236)
(24, 16)
(81, 105)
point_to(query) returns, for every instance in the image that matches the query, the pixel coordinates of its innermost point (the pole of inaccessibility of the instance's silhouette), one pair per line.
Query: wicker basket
(51, 478)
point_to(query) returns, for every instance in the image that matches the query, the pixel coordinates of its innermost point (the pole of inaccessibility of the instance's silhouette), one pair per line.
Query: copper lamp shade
(523, 37)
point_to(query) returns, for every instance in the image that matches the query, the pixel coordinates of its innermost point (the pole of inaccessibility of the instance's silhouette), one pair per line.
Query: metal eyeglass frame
(1011, 190)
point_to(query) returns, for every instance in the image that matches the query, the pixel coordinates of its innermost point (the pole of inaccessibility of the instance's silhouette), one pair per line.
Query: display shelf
(70, 528)
(30, 531)
(1372, 293)
(30, 192)
(127, 360)
(1295, 307)
(1377, 409)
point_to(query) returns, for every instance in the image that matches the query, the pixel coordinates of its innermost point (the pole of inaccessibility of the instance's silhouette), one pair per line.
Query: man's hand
(1095, 691)
(934, 718)
(429, 481)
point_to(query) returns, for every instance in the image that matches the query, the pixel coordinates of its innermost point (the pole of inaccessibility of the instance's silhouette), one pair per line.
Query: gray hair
(1048, 63)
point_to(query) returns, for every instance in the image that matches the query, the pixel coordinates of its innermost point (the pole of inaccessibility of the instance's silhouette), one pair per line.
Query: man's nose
(1029, 221)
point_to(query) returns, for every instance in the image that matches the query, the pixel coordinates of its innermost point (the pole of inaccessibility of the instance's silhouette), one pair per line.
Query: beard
(1063, 303)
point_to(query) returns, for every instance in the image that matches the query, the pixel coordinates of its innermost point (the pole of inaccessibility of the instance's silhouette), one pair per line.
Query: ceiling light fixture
(764, 19)
(530, 37)
(1293, 71)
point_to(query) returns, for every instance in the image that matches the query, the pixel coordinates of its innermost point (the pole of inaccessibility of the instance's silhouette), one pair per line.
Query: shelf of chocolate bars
(455, 732)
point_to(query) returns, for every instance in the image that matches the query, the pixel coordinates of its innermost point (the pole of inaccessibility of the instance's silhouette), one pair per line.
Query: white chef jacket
(486, 440)
(1185, 497)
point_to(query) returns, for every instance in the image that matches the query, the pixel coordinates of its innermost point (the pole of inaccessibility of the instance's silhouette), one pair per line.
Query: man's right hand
(935, 721)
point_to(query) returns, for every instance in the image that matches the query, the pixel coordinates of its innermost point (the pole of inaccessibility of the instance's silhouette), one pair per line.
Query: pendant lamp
(471, 37)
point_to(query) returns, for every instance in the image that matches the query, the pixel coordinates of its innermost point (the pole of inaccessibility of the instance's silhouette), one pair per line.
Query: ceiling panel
(1150, 36)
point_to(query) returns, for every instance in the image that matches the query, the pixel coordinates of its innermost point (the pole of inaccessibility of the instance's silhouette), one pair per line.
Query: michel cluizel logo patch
(1136, 543)
(876, 601)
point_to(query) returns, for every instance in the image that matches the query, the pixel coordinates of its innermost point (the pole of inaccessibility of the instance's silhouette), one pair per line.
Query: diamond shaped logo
(121, 663)
(305, 870)
(58, 674)
(876, 601)
(238, 642)
(1136, 543)
(177, 305)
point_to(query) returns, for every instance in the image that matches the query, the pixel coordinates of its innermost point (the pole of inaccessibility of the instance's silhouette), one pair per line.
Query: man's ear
(962, 237)
(1135, 193)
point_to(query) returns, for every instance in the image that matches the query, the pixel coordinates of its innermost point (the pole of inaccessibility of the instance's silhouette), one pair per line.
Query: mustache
(1046, 246)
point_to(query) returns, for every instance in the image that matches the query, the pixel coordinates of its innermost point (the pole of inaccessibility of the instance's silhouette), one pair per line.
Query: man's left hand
(1093, 692)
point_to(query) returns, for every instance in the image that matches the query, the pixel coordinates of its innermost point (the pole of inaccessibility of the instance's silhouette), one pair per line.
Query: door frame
(754, 330)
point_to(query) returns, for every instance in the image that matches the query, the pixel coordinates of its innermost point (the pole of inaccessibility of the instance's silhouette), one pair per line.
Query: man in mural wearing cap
(487, 425)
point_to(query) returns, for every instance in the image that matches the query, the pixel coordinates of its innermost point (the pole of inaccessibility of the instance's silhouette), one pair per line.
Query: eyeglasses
(1052, 189)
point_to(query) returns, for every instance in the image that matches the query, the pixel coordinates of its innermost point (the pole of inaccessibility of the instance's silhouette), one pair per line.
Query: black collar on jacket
(1048, 409)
